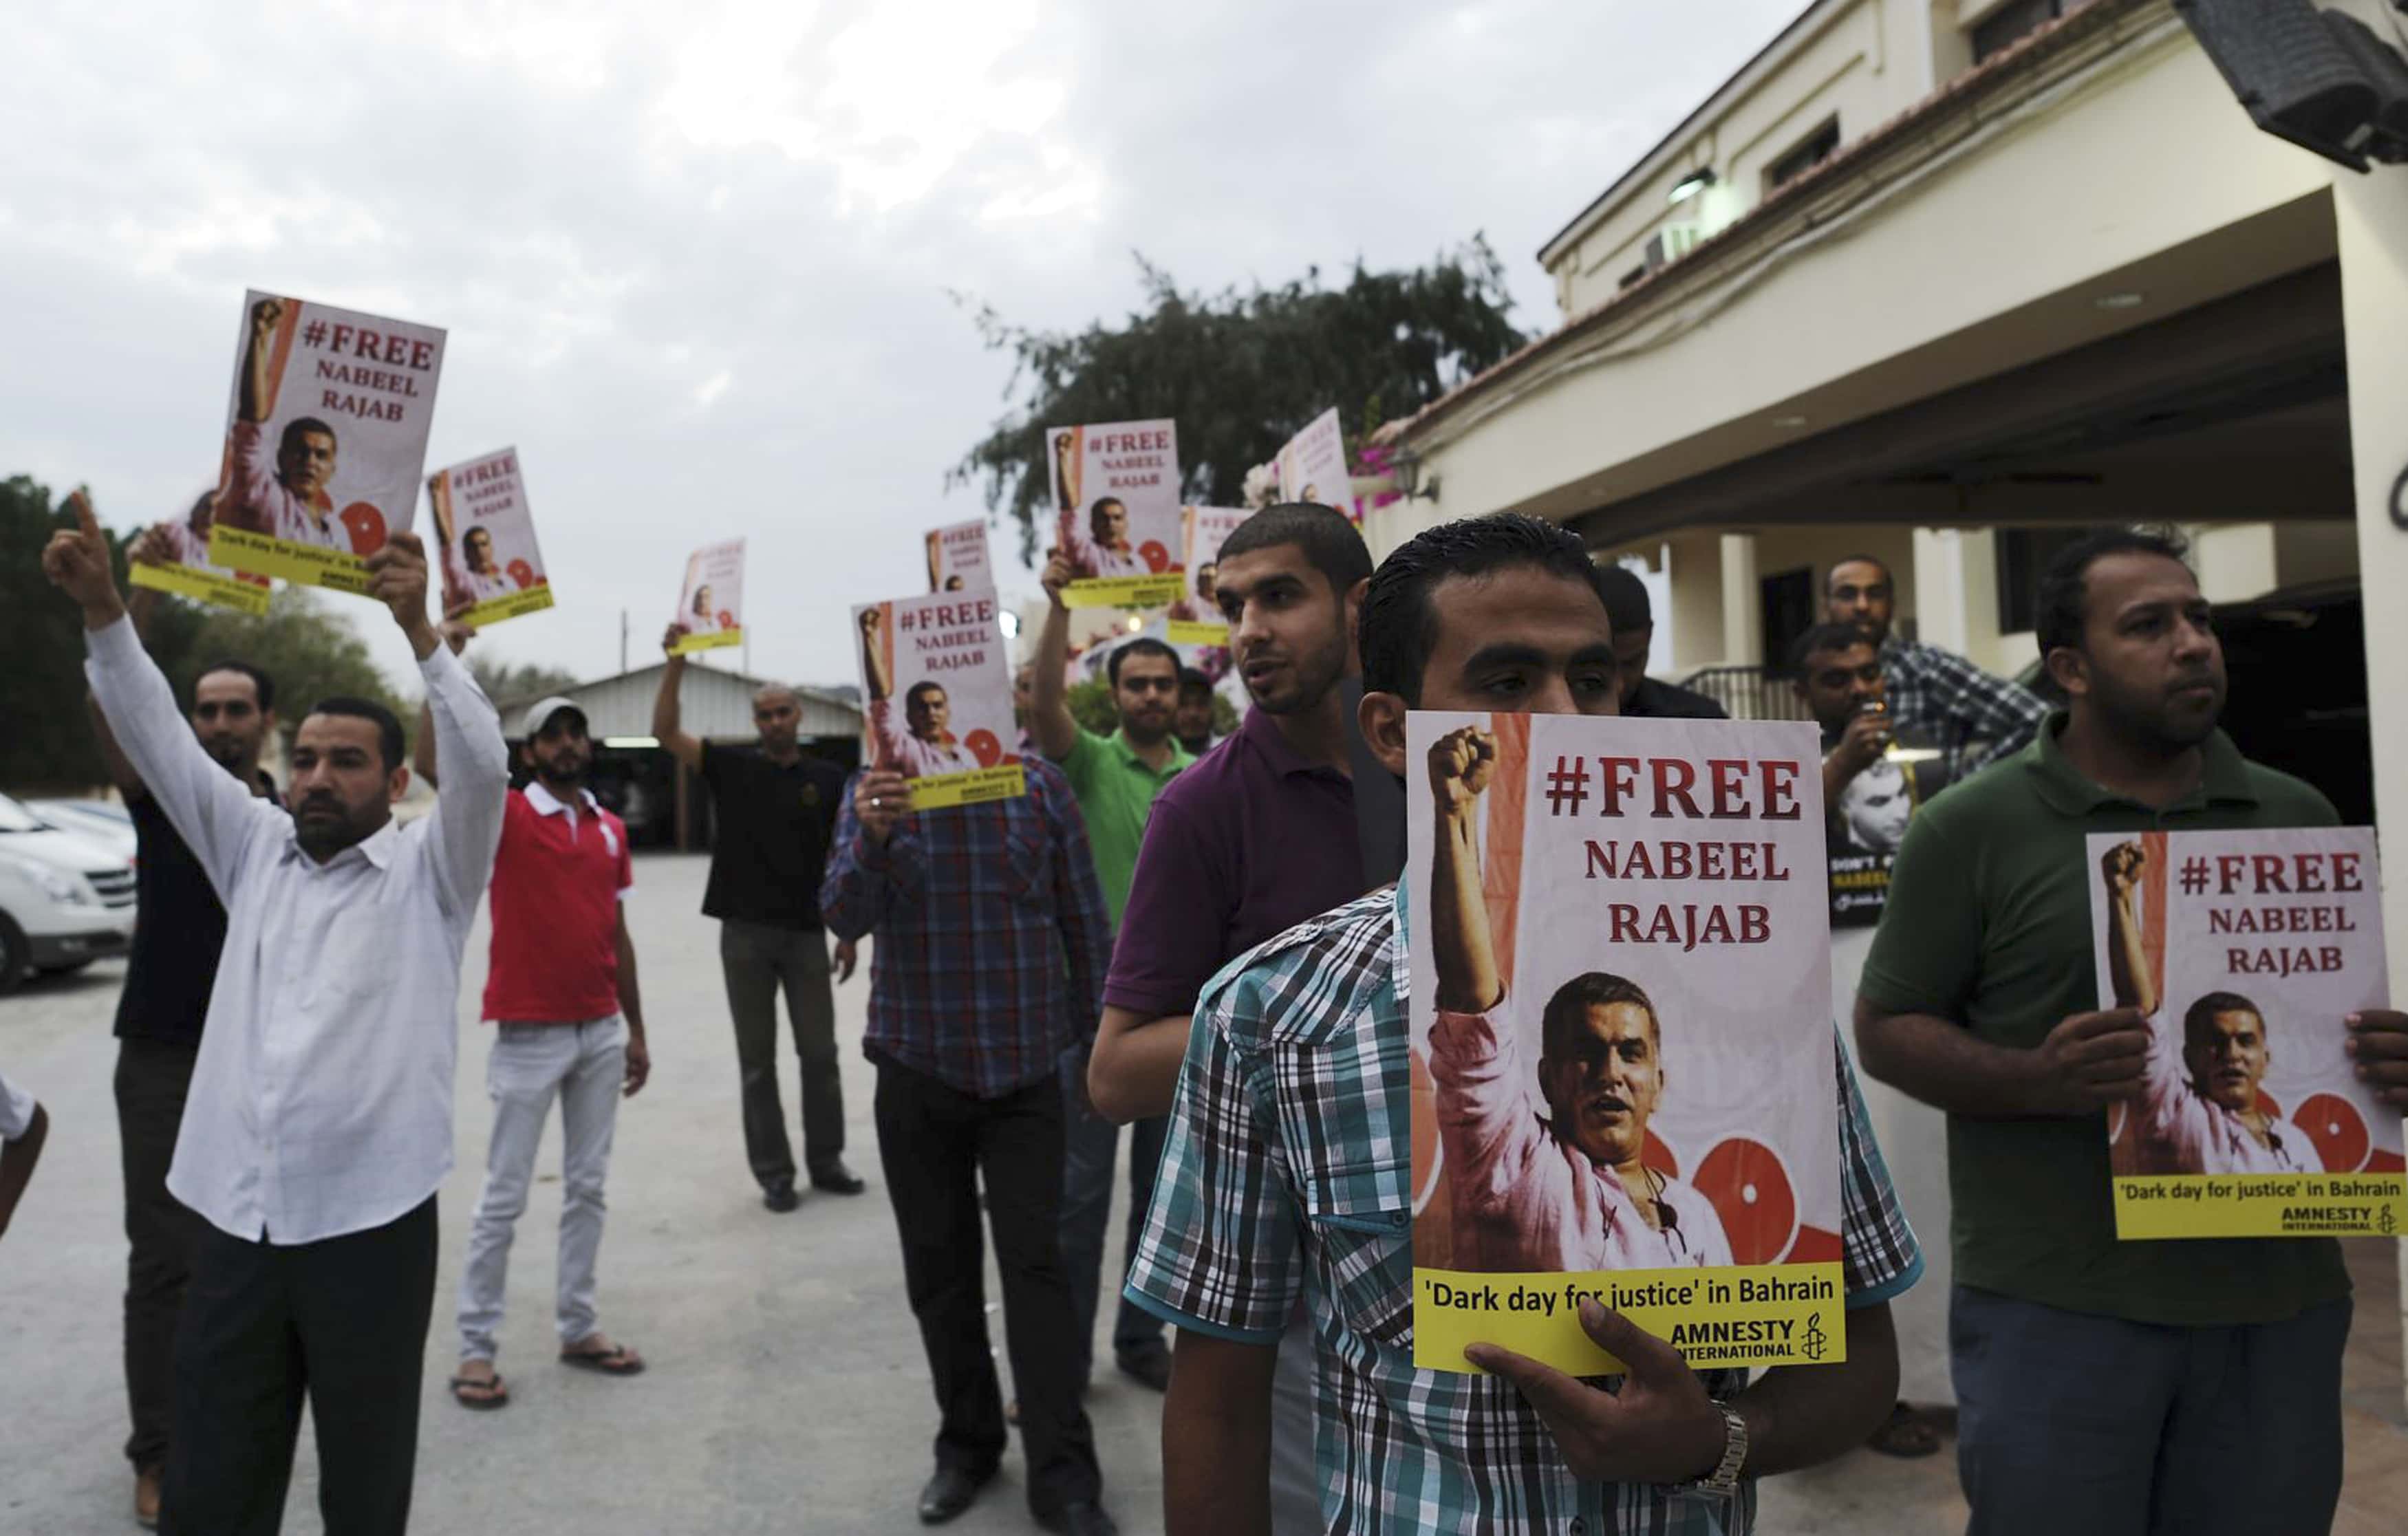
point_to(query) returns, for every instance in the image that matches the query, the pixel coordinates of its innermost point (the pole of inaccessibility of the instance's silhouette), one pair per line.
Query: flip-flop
(618, 1360)
(1906, 1434)
(498, 1393)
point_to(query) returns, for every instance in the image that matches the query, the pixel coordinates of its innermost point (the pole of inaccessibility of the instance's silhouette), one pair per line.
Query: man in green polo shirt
(1115, 778)
(2102, 1387)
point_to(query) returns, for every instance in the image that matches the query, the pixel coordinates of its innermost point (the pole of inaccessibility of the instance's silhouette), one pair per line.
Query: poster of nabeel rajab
(485, 533)
(937, 689)
(710, 603)
(325, 439)
(1196, 618)
(957, 559)
(2246, 951)
(1623, 1065)
(187, 571)
(1116, 512)
(1313, 467)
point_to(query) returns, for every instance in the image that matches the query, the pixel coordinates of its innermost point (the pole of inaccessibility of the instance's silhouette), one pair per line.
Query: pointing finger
(79, 502)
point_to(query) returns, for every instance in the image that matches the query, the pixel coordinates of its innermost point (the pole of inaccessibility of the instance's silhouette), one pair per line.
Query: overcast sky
(695, 260)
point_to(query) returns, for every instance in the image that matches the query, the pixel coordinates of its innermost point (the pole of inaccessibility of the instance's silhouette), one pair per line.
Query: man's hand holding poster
(1624, 1056)
(1313, 467)
(938, 696)
(710, 605)
(957, 559)
(325, 440)
(1116, 509)
(489, 558)
(2241, 960)
(175, 557)
(1196, 617)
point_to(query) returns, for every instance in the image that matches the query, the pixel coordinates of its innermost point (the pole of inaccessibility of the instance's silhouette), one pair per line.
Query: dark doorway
(1787, 599)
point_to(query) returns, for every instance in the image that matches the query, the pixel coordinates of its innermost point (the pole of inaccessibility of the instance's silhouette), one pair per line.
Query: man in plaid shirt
(989, 965)
(1287, 1172)
(1937, 695)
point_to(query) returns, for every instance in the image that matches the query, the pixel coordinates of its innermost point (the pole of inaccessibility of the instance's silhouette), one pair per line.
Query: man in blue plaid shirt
(1287, 1172)
(1934, 695)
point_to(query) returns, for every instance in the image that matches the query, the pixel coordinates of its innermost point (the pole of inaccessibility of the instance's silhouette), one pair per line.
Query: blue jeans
(2073, 1424)
(1090, 1145)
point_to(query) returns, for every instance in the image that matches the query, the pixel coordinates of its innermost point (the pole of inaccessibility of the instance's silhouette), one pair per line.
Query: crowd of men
(1203, 948)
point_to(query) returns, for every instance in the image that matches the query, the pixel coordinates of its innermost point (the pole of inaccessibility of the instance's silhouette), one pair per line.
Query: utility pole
(623, 642)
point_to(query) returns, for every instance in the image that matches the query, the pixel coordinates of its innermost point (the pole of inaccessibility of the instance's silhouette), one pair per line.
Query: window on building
(2012, 23)
(2023, 554)
(1818, 147)
(1633, 277)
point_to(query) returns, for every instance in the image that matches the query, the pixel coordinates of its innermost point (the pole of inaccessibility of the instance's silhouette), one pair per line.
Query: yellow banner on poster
(976, 787)
(2262, 1205)
(202, 586)
(709, 640)
(1155, 591)
(310, 565)
(1750, 1316)
(535, 599)
(1198, 632)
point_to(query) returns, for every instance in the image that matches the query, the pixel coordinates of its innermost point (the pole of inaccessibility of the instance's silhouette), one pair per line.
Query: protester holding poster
(1283, 1178)
(322, 463)
(2073, 1350)
(1116, 491)
(957, 558)
(944, 653)
(491, 564)
(711, 603)
(175, 557)
(1873, 779)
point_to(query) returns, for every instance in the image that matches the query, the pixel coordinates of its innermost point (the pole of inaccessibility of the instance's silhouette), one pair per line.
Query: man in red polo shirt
(560, 992)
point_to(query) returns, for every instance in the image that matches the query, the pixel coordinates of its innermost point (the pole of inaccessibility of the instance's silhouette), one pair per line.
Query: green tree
(46, 740)
(519, 683)
(1241, 371)
(299, 641)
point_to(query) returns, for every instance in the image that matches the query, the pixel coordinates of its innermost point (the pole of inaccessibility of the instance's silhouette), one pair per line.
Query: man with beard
(1103, 547)
(320, 1121)
(2116, 1370)
(775, 808)
(1251, 840)
(1115, 778)
(179, 926)
(1191, 721)
(1974, 719)
(288, 499)
(560, 994)
(480, 576)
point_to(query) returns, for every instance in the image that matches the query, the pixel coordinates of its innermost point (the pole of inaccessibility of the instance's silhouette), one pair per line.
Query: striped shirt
(991, 934)
(1288, 1173)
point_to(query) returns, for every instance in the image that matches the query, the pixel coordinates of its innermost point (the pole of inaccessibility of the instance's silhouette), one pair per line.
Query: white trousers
(585, 1066)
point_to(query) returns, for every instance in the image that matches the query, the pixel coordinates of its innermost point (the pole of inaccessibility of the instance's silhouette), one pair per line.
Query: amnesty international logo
(2387, 1221)
(1814, 1341)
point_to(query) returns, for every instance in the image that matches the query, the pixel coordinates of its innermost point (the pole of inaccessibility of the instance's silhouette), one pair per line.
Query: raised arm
(251, 406)
(151, 549)
(1048, 710)
(875, 857)
(667, 709)
(213, 812)
(466, 823)
(873, 657)
(424, 757)
(2127, 960)
(1461, 764)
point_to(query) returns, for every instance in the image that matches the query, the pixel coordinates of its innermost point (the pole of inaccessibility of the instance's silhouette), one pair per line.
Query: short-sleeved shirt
(1287, 1171)
(769, 852)
(1250, 841)
(1116, 792)
(1989, 924)
(558, 878)
(180, 925)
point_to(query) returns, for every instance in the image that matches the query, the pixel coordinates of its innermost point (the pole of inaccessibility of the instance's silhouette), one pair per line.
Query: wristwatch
(1724, 1479)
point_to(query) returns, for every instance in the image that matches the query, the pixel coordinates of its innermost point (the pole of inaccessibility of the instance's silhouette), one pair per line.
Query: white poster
(711, 604)
(485, 540)
(1117, 512)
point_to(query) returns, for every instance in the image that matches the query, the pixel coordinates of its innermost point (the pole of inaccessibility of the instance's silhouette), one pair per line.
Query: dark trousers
(2079, 1425)
(342, 1322)
(152, 1077)
(1091, 1144)
(935, 1145)
(758, 958)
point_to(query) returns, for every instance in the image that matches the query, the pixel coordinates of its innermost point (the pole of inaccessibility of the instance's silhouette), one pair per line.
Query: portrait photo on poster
(1622, 1054)
(1116, 512)
(325, 439)
(935, 688)
(173, 555)
(1196, 617)
(1313, 467)
(484, 531)
(2245, 952)
(957, 557)
(710, 603)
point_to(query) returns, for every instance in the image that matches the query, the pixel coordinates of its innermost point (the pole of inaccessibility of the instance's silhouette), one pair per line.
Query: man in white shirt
(319, 1123)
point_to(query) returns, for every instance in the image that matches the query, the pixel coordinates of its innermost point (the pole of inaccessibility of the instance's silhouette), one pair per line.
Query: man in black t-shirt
(775, 811)
(178, 927)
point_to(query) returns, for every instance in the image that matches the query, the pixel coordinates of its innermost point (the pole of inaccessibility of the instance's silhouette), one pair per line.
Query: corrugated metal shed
(717, 706)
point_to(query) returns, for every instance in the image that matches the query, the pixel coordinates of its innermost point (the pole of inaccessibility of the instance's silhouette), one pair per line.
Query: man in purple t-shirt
(1250, 841)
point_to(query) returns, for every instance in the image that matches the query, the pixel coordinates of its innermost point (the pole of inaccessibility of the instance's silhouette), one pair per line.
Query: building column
(1940, 616)
(1742, 602)
(2371, 214)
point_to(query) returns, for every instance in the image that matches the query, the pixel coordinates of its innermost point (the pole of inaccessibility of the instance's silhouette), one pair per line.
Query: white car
(64, 900)
(104, 821)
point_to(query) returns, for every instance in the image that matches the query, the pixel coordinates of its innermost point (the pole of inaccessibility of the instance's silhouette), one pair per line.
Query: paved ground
(786, 1392)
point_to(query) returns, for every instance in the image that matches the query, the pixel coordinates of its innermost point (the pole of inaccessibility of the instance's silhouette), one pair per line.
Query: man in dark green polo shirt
(2104, 1386)
(1115, 778)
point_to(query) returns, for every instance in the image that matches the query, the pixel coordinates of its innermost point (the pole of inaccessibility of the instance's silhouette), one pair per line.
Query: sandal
(1906, 1433)
(495, 1392)
(618, 1360)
